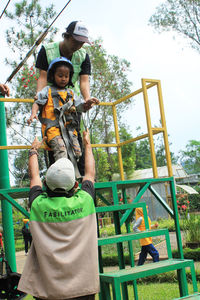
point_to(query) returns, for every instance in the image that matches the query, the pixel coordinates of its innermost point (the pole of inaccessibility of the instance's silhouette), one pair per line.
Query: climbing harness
(8, 279)
(66, 122)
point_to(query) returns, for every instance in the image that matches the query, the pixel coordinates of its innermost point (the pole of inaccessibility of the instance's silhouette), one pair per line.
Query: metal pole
(149, 127)
(7, 220)
(119, 151)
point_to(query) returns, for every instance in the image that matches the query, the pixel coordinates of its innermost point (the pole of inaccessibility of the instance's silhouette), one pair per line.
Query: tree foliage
(108, 82)
(21, 170)
(29, 20)
(181, 16)
(190, 157)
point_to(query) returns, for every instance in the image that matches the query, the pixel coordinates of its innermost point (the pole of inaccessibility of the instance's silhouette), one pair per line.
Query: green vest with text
(53, 51)
(61, 209)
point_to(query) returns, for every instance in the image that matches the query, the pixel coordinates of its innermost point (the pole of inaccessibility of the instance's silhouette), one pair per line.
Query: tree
(32, 20)
(21, 170)
(143, 155)
(161, 155)
(108, 83)
(190, 158)
(28, 21)
(181, 16)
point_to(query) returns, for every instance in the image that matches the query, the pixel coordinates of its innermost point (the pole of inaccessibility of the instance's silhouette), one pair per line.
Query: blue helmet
(55, 63)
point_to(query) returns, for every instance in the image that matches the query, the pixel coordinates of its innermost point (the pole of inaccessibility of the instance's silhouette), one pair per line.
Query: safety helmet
(55, 63)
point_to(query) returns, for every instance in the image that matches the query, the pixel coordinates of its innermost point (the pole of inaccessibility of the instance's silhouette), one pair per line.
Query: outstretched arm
(85, 92)
(34, 112)
(89, 158)
(33, 163)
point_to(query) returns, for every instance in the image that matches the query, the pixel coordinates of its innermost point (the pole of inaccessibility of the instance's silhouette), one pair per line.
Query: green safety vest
(53, 51)
(61, 209)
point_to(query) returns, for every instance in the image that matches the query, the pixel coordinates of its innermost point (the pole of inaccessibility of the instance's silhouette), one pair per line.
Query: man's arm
(42, 80)
(85, 86)
(89, 158)
(33, 163)
(85, 92)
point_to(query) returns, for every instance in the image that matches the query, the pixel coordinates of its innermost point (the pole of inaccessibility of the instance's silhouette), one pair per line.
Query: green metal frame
(116, 278)
(8, 196)
(119, 220)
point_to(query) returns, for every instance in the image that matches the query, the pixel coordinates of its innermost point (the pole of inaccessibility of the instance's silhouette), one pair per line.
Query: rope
(20, 134)
(37, 43)
(5, 9)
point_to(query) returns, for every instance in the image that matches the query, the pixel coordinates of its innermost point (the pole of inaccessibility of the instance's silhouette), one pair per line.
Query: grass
(153, 291)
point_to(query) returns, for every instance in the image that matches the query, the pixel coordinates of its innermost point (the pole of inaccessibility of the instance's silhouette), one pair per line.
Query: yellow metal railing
(151, 131)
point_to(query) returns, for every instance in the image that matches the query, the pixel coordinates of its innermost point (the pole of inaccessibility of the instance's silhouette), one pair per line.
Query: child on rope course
(146, 243)
(59, 108)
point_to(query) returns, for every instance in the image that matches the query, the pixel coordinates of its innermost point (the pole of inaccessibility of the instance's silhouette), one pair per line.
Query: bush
(192, 228)
(166, 223)
(188, 253)
(194, 202)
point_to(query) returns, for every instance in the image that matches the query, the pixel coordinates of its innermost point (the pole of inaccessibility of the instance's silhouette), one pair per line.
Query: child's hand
(90, 103)
(156, 224)
(32, 117)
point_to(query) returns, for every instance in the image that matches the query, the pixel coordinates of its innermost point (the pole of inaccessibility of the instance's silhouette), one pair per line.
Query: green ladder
(119, 279)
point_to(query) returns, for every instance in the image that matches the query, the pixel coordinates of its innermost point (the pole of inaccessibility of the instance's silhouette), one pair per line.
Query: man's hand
(90, 103)
(4, 89)
(86, 137)
(37, 144)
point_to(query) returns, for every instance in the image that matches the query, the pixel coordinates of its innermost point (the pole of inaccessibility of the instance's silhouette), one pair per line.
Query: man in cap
(71, 47)
(63, 259)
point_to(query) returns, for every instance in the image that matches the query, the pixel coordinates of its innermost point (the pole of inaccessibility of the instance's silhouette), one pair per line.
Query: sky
(123, 26)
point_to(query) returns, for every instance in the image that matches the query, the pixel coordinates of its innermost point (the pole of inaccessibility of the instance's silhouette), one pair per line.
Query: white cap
(79, 31)
(61, 175)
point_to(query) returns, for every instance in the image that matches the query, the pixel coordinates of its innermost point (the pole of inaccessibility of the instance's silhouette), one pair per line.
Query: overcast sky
(123, 25)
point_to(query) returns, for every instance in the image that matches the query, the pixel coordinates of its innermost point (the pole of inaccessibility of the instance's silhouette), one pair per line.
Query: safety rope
(5, 9)
(20, 134)
(37, 43)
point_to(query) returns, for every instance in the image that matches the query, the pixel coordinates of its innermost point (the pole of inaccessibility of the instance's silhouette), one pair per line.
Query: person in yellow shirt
(146, 243)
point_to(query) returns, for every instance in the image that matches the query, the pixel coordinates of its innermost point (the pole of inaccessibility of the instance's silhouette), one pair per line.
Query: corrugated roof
(187, 188)
(178, 172)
